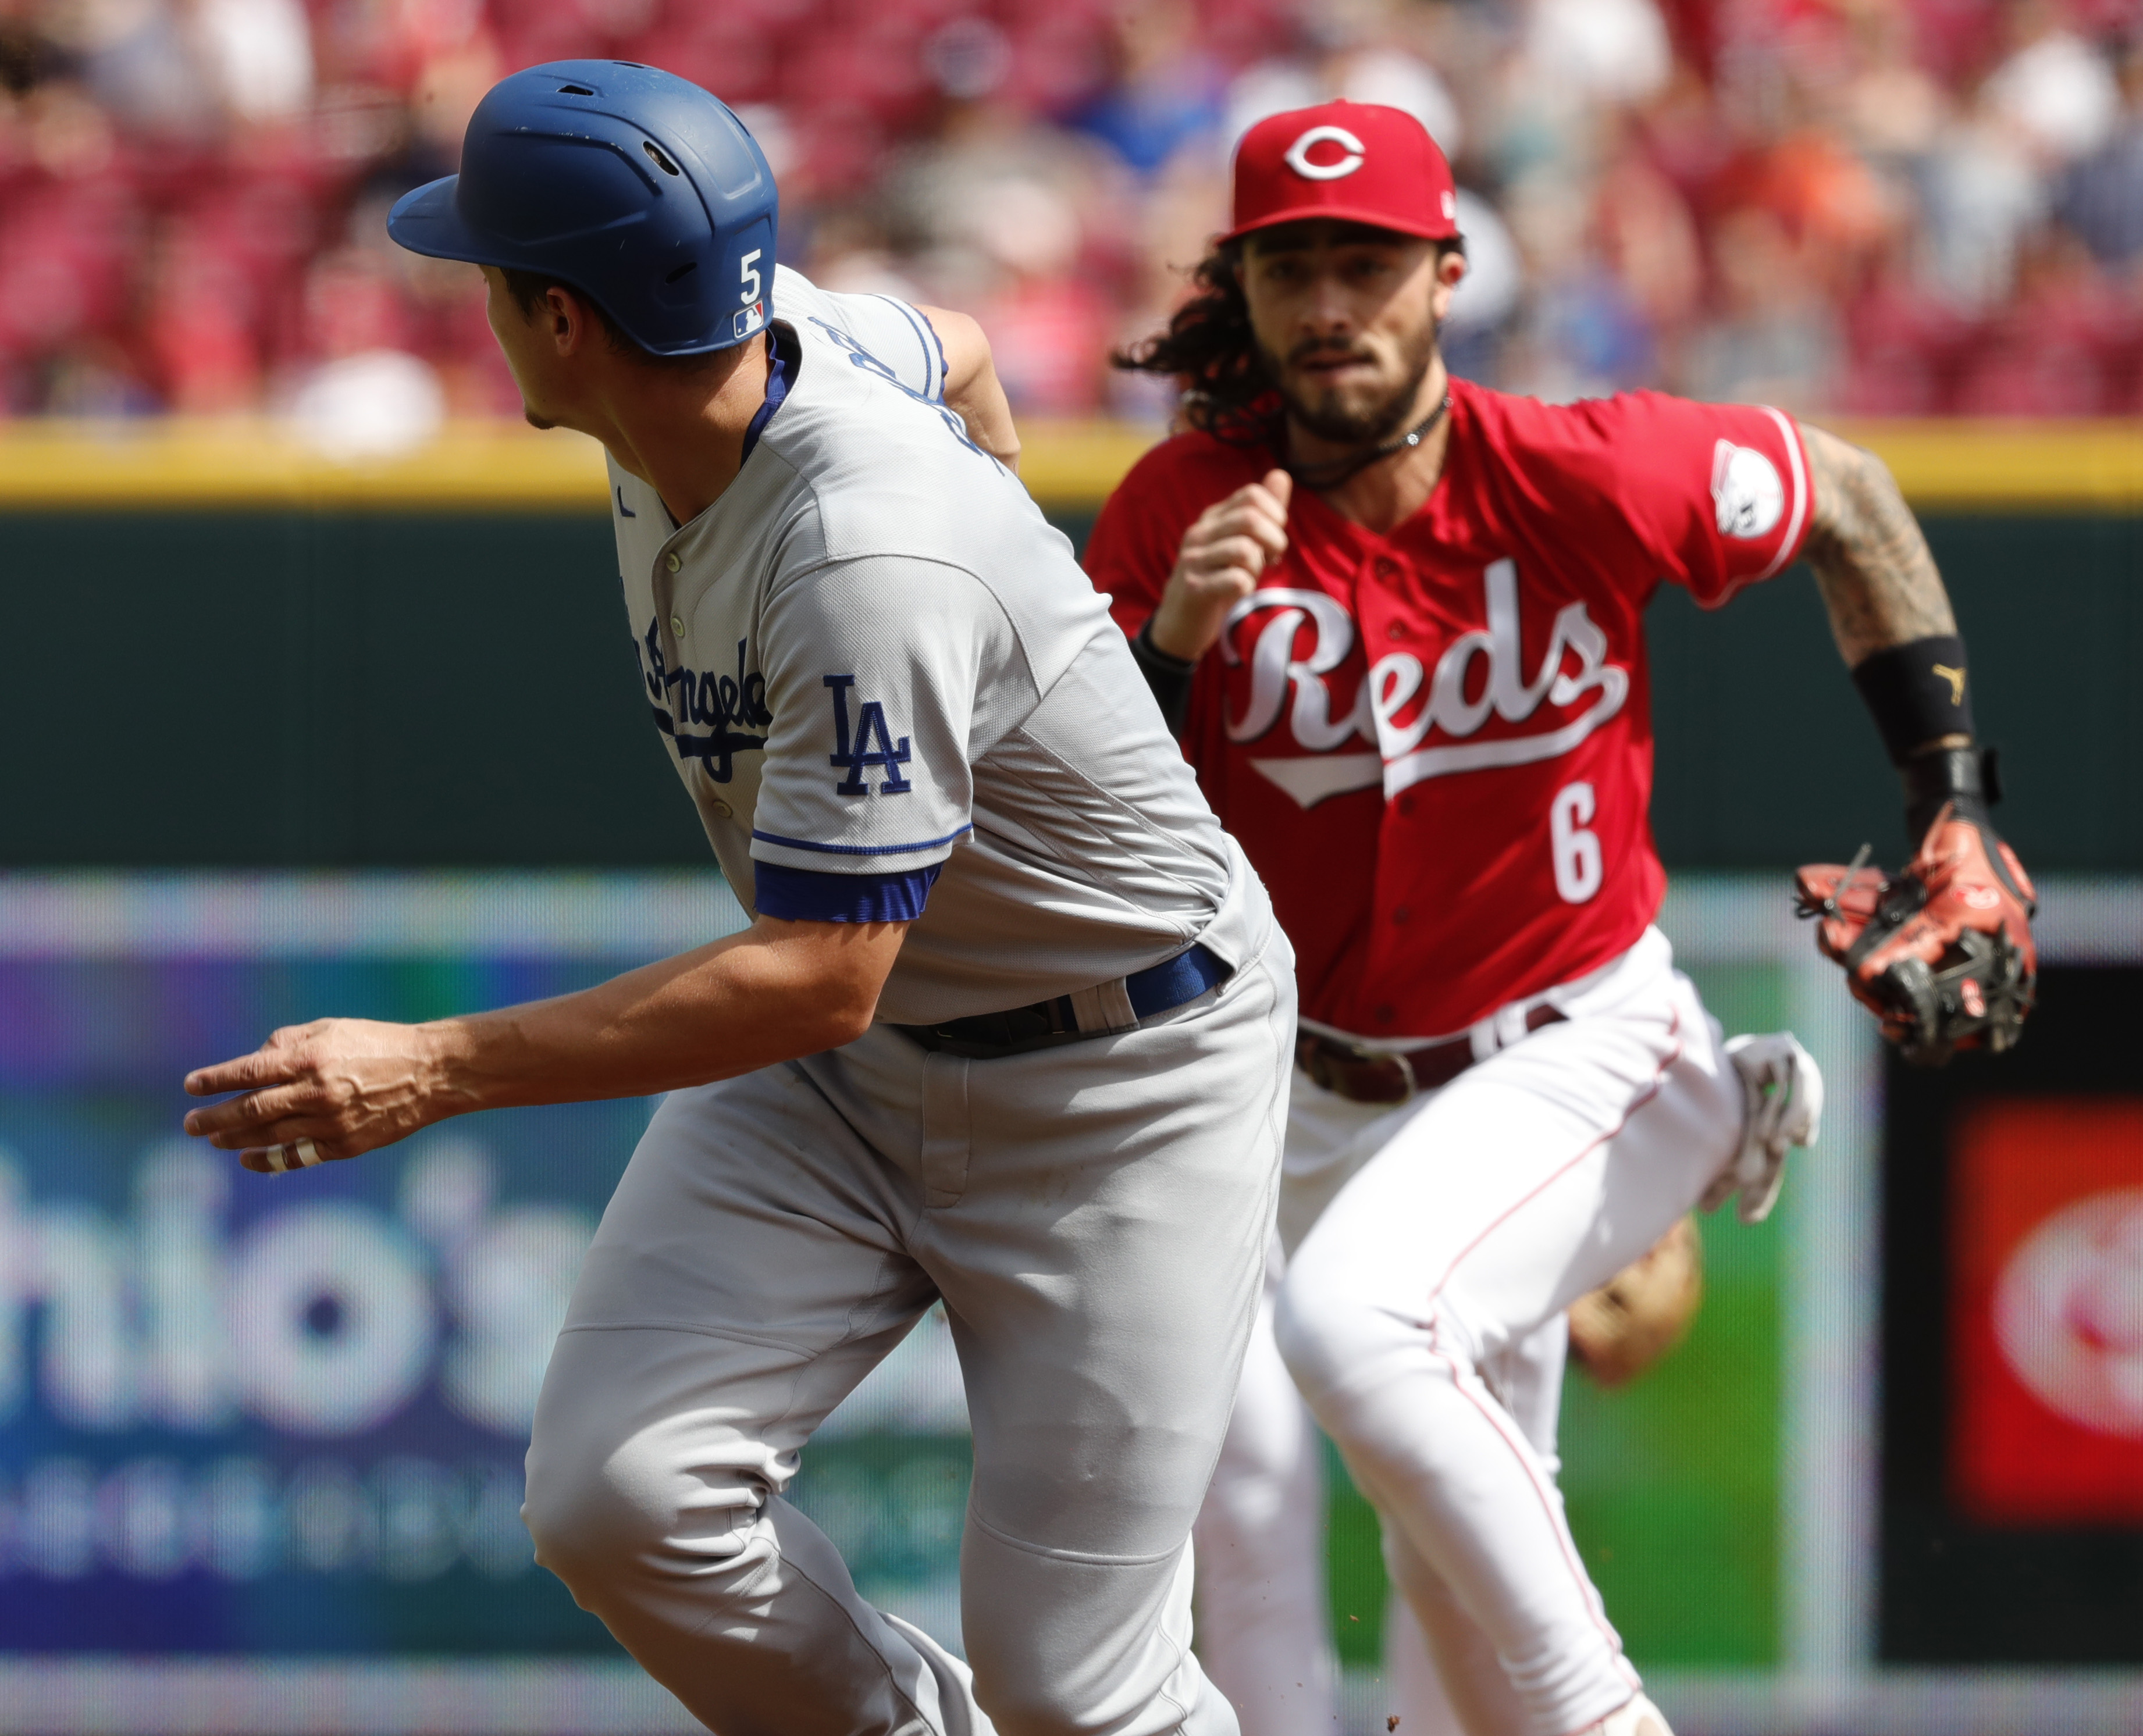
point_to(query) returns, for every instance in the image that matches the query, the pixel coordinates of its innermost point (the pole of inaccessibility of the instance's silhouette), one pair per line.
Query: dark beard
(1369, 427)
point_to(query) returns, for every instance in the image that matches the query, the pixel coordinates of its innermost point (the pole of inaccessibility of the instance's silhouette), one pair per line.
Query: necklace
(1324, 477)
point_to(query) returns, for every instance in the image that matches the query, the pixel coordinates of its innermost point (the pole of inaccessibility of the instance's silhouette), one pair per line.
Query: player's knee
(1322, 1330)
(1344, 1348)
(570, 1514)
(589, 1508)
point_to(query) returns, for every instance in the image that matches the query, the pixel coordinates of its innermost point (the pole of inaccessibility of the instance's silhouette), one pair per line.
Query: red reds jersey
(1436, 745)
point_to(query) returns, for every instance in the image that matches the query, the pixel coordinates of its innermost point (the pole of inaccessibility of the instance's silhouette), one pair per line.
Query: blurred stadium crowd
(1870, 206)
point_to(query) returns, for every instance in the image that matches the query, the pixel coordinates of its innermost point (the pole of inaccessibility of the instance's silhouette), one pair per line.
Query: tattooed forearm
(1877, 579)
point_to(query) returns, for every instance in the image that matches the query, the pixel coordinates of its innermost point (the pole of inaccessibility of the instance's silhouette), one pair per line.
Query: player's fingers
(1229, 583)
(299, 1152)
(1250, 511)
(1269, 504)
(1224, 517)
(1272, 532)
(1218, 557)
(266, 1065)
(240, 1116)
(1262, 521)
(280, 1131)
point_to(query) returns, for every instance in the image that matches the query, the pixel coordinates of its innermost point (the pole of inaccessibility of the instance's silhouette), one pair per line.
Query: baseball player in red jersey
(1398, 620)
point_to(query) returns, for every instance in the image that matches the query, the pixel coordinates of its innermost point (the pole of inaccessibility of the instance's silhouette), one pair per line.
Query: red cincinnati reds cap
(1357, 161)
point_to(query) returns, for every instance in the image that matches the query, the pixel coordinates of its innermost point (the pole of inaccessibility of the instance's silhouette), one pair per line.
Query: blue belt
(1158, 989)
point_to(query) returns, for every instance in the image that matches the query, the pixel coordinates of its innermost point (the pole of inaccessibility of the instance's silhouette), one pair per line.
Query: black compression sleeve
(1917, 692)
(1168, 676)
(1922, 706)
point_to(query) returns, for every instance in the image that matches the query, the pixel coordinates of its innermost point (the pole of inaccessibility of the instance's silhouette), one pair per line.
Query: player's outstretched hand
(319, 1092)
(1222, 555)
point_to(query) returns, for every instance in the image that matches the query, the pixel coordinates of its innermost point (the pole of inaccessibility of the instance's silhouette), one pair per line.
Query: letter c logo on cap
(1297, 154)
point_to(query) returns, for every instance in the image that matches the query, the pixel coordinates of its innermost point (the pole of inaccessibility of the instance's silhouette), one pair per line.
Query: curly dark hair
(1209, 348)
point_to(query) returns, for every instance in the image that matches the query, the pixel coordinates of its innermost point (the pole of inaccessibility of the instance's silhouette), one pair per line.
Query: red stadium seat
(2042, 378)
(736, 61)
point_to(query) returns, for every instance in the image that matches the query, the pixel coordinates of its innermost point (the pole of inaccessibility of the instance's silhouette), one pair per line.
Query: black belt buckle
(985, 1035)
(1046, 1024)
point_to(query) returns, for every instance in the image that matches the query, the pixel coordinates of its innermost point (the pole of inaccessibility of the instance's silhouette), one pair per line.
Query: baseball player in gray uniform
(1010, 1027)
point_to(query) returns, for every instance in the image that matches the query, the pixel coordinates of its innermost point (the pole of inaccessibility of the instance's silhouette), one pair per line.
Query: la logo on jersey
(1418, 719)
(731, 704)
(872, 747)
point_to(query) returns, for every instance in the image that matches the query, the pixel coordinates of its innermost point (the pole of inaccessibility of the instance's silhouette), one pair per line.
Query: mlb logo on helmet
(750, 319)
(1355, 162)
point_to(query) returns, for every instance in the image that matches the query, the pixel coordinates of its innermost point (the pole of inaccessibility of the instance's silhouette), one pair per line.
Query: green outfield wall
(347, 686)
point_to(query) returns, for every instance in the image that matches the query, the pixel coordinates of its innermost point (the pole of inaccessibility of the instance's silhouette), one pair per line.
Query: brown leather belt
(1372, 1076)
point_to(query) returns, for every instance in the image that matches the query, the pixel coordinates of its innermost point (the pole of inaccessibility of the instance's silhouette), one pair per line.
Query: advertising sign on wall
(263, 1417)
(2046, 1332)
(265, 1414)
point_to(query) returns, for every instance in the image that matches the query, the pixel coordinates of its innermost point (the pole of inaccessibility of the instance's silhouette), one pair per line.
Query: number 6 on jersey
(1575, 851)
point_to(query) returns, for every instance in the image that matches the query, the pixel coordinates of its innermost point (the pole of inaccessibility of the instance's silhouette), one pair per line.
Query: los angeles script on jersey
(1419, 720)
(730, 705)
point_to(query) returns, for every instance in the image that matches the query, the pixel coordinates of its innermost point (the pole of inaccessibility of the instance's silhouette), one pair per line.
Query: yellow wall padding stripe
(1951, 465)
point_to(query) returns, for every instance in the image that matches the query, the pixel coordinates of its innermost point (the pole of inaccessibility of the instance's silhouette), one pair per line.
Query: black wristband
(1168, 677)
(1970, 778)
(1917, 692)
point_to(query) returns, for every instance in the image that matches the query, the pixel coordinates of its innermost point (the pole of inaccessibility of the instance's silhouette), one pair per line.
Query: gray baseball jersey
(892, 693)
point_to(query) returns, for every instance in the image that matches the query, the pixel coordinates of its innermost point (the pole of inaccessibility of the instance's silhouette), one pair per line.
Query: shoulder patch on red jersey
(1746, 488)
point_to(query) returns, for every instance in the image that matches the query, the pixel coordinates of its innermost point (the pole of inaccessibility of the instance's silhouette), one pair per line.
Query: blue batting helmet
(635, 187)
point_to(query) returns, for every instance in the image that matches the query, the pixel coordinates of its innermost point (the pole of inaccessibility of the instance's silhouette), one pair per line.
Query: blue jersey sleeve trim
(944, 368)
(926, 335)
(806, 843)
(805, 895)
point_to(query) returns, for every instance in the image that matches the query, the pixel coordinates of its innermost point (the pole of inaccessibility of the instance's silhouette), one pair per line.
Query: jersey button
(1386, 568)
(1406, 805)
(674, 561)
(1398, 916)
(677, 626)
(1385, 1015)
(722, 808)
(1397, 630)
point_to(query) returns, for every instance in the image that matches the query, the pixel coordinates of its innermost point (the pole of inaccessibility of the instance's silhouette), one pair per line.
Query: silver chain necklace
(1315, 475)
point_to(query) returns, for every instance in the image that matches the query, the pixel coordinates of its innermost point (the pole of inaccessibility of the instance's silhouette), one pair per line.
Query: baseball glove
(1941, 951)
(1621, 1329)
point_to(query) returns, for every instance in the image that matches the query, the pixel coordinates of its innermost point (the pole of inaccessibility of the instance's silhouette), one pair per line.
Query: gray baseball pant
(1094, 1217)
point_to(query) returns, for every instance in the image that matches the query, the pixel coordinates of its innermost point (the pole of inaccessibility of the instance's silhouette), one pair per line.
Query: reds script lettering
(1385, 712)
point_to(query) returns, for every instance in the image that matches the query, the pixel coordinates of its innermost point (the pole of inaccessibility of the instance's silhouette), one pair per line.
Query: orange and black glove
(1942, 951)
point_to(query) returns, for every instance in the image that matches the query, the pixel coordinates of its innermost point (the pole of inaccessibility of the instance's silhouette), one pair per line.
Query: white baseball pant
(1263, 1620)
(1262, 1624)
(1094, 1216)
(1434, 1248)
